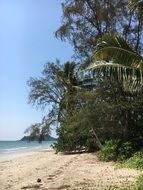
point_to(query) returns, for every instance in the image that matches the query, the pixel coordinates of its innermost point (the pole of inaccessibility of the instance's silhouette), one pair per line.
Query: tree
(109, 109)
(126, 69)
(98, 117)
(56, 90)
(38, 131)
(126, 66)
(84, 22)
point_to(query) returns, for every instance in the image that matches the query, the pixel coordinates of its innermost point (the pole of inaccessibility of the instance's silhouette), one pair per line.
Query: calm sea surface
(14, 147)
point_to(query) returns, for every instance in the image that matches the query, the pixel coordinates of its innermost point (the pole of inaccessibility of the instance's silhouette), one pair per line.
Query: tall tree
(126, 70)
(55, 89)
(84, 22)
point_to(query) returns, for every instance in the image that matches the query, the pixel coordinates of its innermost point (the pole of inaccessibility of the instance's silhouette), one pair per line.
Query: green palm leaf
(126, 66)
(115, 48)
(130, 78)
(137, 5)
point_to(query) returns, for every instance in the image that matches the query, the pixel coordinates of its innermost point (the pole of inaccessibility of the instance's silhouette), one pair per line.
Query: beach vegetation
(135, 161)
(38, 131)
(104, 110)
(137, 186)
(84, 22)
(116, 150)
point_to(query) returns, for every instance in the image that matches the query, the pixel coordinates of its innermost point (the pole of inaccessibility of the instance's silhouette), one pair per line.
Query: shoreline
(10, 148)
(61, 172)
(23, 153)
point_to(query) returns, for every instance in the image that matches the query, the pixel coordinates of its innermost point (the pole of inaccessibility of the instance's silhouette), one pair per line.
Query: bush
(136, 161)
(109, 151)
(73, 139)
(125, 151)
(114, 150)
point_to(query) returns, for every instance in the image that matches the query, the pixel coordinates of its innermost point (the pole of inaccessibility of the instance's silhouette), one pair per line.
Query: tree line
(88, 116)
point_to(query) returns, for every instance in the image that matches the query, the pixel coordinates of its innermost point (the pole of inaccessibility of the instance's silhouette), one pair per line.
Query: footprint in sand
(50, 177)
(32, 186)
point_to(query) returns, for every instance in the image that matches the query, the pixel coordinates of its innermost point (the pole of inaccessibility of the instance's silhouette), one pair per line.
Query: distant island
(46, 138)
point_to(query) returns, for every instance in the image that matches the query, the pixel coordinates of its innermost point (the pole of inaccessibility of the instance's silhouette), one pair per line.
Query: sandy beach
(61, 172)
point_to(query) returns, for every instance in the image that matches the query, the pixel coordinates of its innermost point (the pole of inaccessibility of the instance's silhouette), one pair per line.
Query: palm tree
(127, 63)
(118, 60)
(66, 77)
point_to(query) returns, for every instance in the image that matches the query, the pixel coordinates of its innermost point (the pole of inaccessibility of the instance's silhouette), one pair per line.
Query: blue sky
(27, 42)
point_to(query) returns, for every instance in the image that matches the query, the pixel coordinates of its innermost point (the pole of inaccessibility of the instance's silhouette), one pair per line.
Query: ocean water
(15, 147)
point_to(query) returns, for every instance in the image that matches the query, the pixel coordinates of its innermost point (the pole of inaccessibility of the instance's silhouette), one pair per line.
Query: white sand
(61, 172)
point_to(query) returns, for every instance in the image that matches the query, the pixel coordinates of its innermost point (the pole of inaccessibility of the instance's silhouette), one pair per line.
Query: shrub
(114, 150)
(136, 161)
(125, 151)
(73, 139)
(109, 151)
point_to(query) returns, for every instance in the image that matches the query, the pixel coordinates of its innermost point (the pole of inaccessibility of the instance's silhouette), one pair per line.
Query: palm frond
(137, 5)
(119, 61)
(130, 78)
(115, 48)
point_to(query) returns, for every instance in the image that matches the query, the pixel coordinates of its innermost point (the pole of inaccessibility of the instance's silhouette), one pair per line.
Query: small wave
(14, 149)
(37, 147)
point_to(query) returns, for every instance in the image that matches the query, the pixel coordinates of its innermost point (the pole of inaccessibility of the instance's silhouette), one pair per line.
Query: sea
(8, 148)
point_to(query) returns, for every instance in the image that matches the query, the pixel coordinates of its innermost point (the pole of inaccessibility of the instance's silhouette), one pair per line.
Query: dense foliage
(116, 150)
(84, 22)
(90, 117)
(135, 161)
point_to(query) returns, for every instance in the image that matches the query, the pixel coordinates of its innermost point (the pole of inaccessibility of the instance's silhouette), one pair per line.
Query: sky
(27, 42)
